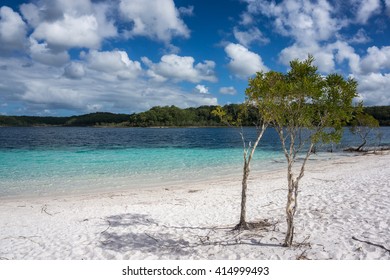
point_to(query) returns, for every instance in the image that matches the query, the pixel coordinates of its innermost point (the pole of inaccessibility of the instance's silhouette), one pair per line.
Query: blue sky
(64, 57)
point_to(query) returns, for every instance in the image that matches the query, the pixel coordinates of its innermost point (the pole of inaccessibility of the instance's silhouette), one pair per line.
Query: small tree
(305, 108)
(248, 153)
(362, 125)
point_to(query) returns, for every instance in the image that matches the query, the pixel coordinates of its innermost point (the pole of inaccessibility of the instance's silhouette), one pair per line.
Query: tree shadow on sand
(136, 232)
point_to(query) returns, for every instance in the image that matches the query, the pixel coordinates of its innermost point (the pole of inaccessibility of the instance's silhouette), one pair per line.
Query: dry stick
(304, 242)
(44, 208)
(302, 256)
(109, 225)
(151, 237)
(370, 243)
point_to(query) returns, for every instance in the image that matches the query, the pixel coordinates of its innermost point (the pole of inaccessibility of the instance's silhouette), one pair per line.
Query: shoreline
(340, 198)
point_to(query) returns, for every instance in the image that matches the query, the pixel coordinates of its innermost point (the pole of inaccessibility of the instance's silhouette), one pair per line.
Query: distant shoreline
(168, 116)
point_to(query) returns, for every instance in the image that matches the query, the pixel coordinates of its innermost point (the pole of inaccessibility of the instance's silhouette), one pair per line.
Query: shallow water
(44, 161)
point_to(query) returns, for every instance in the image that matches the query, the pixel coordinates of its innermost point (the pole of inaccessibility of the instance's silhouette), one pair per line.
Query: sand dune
(344, 203)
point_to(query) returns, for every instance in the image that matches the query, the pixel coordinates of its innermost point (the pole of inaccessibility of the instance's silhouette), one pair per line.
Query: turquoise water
(42, 172)
(45, 161)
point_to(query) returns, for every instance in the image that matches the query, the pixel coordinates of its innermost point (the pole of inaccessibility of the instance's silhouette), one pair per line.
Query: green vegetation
(162, 116)
(381, 113)
(362, 125)
(305, 108)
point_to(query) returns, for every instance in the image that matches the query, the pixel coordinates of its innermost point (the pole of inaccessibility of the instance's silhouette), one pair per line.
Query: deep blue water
(39, 161)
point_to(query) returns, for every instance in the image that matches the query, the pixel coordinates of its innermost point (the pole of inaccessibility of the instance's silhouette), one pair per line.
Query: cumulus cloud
(243, 63)
(156, 19)
(39, 52)
(228, 90)
(377, 59)
(366, 9)
(300, 19)
(324, 58)
(12, 30)
(115, 63)
(344, 52)
(66, 24)
(74, 70)
(70, 32)
(202, 89)
(374, 88)
(246, 38)
(39, 87)
(180, 68)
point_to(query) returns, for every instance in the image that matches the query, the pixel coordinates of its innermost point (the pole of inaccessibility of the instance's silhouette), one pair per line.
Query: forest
(168, 116)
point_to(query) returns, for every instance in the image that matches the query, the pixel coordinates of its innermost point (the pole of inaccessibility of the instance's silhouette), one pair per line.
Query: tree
(305, 108)
(362, 125)
(248, 152)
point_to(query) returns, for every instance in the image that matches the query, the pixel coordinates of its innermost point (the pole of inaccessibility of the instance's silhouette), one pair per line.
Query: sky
(67, 57)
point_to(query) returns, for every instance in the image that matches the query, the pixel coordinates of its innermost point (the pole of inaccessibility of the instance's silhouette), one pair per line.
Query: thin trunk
(291, 205)
(292, 196)
(243, 223)
(361, 145)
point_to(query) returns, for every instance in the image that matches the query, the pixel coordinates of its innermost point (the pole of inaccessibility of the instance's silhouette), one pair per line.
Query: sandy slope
(340, 199)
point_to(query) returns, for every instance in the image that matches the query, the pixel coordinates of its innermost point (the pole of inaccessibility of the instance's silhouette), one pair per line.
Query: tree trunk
(290, 212)
(243, 225)
(291, 206)
(358, 149)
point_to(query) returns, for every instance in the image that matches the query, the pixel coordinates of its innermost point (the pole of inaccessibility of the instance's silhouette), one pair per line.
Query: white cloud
(66, 24)
(42, 54)
(303, 20)
(246, 19)
(376, 59)
(344, 52)
(38, 87)
(243, 63)
(228, 90)
(115, 63)
(12, 30)
(360, 37)
(180, 68)
(70, 32)
(374, 88)
(156, 19)
(246, 38)
(187, 11)
(366, 9)
(387, 3)
(74, 70)
(202, 89)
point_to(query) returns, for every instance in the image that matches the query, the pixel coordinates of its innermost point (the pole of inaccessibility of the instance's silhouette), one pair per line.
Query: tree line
(167, 116)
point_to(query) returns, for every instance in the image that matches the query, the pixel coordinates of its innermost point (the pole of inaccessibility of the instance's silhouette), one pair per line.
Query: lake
(36, 161)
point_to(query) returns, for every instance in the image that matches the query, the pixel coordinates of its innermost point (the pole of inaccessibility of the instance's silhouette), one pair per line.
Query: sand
(343, 204)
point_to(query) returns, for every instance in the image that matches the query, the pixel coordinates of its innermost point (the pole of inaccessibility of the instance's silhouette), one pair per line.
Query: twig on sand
(148, 235)
(109, 225)
(304, 243)
(43, 210)
(302, 256)
(370, 243)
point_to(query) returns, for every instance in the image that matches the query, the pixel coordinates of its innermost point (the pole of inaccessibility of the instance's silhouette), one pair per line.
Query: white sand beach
(343, 202)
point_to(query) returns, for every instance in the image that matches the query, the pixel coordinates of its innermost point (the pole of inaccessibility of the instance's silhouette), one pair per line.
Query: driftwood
(370, 243)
